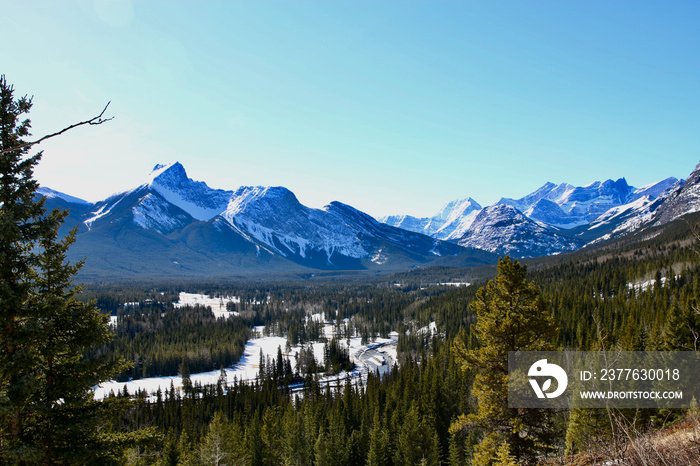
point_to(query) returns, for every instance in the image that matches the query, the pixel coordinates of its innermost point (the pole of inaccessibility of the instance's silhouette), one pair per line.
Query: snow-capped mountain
(450, 223)
(172, 224)
(274, 217)
(503, 229)
(683, 198)
(167, 201)
(649, 207)
(49, 193)
(194, 197)
(565, 206)
(556, 210)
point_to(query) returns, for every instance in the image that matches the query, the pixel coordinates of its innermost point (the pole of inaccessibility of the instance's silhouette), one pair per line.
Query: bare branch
(96, 120)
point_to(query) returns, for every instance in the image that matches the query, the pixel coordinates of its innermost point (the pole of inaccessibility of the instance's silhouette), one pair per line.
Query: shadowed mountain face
(504, 230)
(172, 225)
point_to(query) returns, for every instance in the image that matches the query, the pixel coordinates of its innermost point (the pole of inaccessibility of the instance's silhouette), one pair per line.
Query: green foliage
(503, 456)
(429, 389)
(47, 411)
(512, 316)
(220, 446)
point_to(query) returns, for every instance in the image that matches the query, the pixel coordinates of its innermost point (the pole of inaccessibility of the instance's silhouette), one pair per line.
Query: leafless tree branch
(96, 120)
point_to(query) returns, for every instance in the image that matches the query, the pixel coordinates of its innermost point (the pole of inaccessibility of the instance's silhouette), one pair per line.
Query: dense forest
(638, 297)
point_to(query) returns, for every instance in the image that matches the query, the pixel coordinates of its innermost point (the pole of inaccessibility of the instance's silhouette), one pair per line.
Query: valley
(401, 332)
(376, 357)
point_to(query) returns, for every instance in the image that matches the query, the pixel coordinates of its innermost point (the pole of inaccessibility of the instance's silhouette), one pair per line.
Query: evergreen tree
(216, 447)
(64, 328)
(295, 449)
(377, 454)
(171, 453)
(416, 443)
(47, 411)
(187, 454)
(186, 379)
(21, 226)
(511, 316)
(504, 458)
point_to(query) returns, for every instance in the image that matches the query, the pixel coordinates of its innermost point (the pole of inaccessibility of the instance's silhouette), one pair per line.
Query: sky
(393, 107)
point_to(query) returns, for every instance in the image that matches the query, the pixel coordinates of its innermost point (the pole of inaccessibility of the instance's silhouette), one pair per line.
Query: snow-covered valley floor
(379, 355)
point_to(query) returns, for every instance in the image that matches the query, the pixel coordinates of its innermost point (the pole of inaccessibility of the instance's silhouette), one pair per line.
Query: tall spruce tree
(47, 411)
(511, 316)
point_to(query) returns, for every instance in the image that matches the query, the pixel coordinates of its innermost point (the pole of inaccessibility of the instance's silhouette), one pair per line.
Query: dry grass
(678, 445)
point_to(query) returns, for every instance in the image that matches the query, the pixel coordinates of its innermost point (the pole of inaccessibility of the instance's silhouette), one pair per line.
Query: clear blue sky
(392, 107)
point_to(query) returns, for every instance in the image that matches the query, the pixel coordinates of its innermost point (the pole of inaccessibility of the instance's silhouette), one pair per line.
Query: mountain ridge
(171, 224)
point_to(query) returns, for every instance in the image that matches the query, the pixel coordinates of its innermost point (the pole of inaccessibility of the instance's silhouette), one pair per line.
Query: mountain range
(171, 225)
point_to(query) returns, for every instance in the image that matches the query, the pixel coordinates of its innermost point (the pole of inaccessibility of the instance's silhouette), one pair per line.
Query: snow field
(218, 305)
(379, 355)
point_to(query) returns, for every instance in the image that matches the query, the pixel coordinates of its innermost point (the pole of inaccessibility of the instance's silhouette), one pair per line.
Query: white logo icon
(543, 369)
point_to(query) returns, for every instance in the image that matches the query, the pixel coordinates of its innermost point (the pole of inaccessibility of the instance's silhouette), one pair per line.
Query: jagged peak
(166, 174)
(194, 197)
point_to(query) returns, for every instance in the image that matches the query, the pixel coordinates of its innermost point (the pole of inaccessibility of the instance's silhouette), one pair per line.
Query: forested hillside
(639, 296)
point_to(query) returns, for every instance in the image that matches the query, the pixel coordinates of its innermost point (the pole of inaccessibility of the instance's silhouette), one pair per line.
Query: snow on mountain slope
(636, 214)
(453, 218)
(577, 205)
(653, 190)
(151, 213)
(681, 199)
(459, 226)
(549, 191)
(623, 219)
(194, 197)
(370, 230)
(50, 194)
(274, 216)
(562, 206)
(503, 229)
(103, 209)
(407, 222)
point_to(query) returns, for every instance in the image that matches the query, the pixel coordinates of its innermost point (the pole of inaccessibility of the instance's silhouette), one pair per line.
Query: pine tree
(47, 411)
(216, 446)
(295, 448)
(187, 454)
(63, 330)
(377, 454)
(511, 316)
(504, 458)
(20, 229)
(186, 379)
(271, 435)
(171, 453)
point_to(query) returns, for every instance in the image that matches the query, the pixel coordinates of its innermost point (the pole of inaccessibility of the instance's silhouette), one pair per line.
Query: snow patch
(217, 304)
